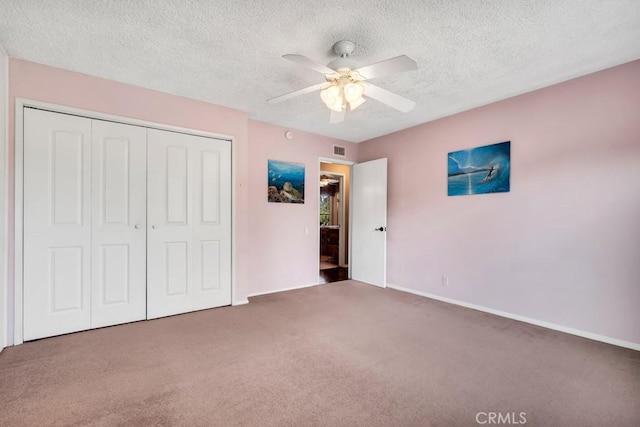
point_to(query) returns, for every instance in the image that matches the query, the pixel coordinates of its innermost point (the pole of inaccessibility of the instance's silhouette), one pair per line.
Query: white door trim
(4, 196)
(336, 161)
(22, 103)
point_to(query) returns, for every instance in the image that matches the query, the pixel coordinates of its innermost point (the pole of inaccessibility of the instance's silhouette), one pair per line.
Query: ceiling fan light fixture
(353, 92)
(345, 82)
(332, 97)
(355, 104)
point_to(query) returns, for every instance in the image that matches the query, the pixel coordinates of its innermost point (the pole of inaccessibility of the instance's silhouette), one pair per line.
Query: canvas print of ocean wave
(286, 182)
(480, 170)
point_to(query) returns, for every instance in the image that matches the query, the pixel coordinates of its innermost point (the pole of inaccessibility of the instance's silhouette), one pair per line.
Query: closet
(121, 223)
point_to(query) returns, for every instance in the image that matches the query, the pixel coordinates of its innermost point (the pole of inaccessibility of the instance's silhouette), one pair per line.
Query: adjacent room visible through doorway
(333, 218)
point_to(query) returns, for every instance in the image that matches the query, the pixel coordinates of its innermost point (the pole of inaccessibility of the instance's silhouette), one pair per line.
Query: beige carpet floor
(342, 354)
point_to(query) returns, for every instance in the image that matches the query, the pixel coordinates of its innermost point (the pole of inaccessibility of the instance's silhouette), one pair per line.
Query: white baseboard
(241, 302)
(548, 325)
(282, 290)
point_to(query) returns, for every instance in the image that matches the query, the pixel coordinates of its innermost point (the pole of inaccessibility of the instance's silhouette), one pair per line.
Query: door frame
(341, 239)
(20, 105)
(342, 207)
(4, 197)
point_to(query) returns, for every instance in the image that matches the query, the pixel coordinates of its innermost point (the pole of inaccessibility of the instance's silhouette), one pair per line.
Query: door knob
(154, 227)
(137, 226)
(380, 229)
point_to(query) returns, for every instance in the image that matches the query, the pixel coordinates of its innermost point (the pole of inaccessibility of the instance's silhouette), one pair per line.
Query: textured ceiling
(229, 52)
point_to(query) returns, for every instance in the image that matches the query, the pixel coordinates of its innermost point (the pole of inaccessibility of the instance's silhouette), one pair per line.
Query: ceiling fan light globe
(353, 92)
(356, 103)
(332, 97)
(337, 106)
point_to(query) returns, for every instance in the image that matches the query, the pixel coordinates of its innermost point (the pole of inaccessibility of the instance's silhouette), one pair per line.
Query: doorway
(334, 222)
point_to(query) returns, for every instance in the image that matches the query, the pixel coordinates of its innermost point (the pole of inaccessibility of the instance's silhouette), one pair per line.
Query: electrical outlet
(445, 281)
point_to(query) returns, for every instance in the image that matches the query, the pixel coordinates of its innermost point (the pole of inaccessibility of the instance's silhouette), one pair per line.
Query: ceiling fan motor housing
(342, 65)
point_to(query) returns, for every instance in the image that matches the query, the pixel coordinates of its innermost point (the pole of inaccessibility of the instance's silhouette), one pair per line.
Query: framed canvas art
(480, 170)
(286, 182)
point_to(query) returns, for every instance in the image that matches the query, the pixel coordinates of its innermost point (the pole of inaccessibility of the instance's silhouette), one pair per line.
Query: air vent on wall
(339, 151)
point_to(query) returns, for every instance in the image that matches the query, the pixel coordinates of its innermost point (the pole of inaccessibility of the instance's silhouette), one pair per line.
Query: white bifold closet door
(118, 211)
(121, 223)
(189, 223)
(84, 223)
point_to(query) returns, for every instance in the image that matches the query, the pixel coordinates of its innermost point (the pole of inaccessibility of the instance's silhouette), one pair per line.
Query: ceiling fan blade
(303, 60)
(390, 66)
(336, 117)
(391, 99)
(298, 92)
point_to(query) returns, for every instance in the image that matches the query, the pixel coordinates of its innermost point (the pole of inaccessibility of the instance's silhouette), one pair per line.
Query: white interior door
(57, 224)
(117, 229)
(369, 222)
(119, 169)
(189, 223)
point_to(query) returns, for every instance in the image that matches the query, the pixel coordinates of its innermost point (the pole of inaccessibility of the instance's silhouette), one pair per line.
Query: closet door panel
(169, 280)
(177, 183)
(119, 223)
(189, 204)
(212, 223)
(57, 224)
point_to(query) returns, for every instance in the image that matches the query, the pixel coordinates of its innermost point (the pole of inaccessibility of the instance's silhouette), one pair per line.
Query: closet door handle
(137, 226)
(155, 227)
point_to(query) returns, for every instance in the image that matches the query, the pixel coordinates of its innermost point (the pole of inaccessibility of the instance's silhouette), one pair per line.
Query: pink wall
(272, 251)
(564, 245)
(282, 254)
(43, 83)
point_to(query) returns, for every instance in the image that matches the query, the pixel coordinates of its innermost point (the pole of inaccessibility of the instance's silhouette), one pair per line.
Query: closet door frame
(20, 105)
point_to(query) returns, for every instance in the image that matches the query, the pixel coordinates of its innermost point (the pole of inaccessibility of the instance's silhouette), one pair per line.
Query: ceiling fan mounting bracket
(344, 48)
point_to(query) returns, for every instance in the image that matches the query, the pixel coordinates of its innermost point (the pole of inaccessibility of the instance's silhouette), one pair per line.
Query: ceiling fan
(347, 87)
